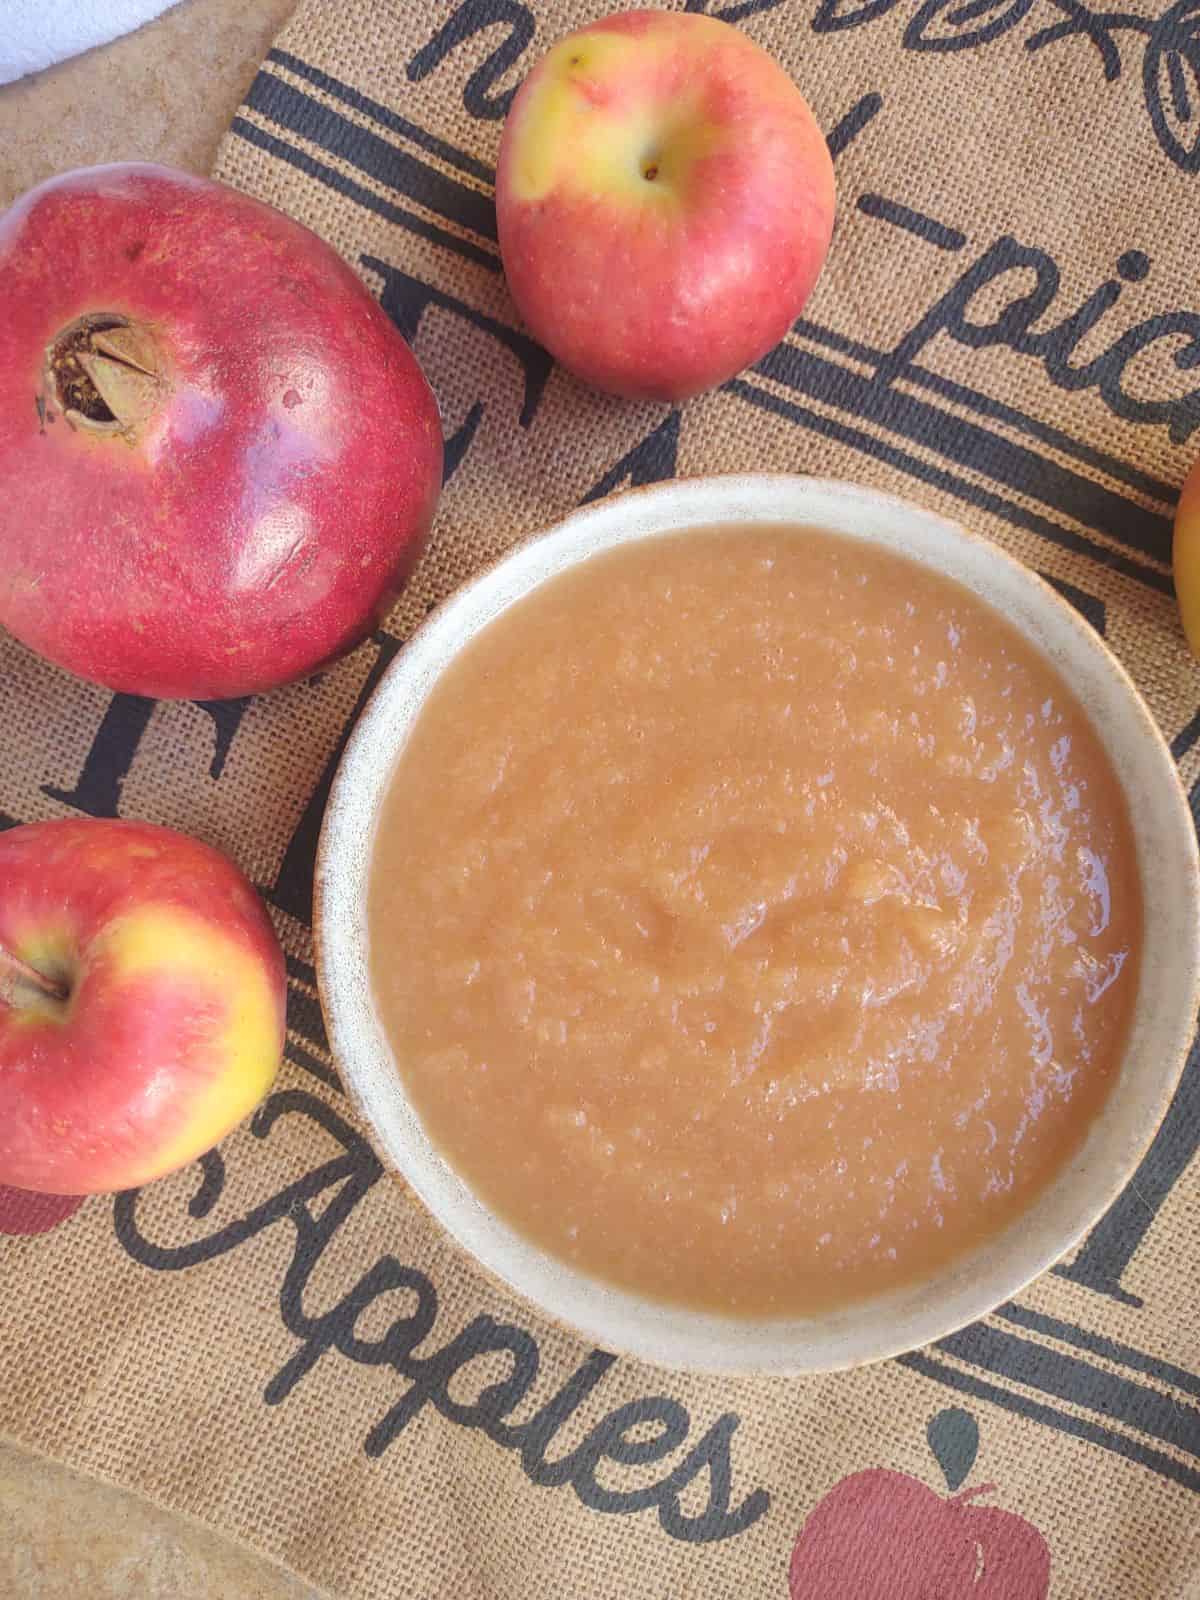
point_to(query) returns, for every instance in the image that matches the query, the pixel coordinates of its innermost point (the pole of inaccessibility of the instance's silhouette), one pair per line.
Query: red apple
(881, 1535)
(142, 996)
(665, 202)
(218, 458)
(1185, 557)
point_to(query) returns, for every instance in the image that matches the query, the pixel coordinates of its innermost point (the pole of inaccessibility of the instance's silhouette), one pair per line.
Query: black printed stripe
(1097, 1345)
(381, 160)
(385, 116)
(972, 494)
(1061, 1421)
(1186, 738)
(306, 1020)
(366, 198)
(969, 445)
(301, 971)
(984, 405)
(304, 1015)
(316, 1068)
(7, 822)
(1067, 1377)
(852, 124)
(925, 228)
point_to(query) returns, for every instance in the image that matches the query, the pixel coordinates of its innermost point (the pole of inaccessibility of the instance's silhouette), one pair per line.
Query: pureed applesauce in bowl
(754, 919)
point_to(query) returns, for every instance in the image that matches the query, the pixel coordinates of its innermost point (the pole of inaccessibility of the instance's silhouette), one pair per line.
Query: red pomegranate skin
(259, 512)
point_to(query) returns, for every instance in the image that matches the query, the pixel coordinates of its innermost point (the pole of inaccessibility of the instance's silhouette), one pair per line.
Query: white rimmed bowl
(1164, 1017)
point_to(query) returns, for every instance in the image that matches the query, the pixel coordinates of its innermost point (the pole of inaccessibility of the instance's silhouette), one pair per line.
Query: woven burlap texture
(221, 1343)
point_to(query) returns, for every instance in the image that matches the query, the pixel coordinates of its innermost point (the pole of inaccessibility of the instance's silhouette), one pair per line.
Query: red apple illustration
(884, 1535)
(24, 1212)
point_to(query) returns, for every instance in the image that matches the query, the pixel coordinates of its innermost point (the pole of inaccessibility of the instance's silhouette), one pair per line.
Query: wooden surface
(63, 1537)
(165, 93)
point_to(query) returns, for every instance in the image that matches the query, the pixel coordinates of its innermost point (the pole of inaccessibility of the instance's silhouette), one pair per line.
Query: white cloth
(37, 33)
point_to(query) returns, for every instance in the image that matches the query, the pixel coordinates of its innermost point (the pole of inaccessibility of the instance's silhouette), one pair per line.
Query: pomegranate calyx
(105, 373)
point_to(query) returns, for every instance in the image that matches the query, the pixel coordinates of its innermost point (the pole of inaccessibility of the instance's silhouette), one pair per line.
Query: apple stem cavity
(105, 374)
(20, 983)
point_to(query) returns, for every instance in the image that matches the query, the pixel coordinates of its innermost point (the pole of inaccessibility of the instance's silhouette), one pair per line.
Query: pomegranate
(218, 458)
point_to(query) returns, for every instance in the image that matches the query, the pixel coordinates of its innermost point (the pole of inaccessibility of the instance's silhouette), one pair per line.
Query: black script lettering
(460, 442)
(949, 314)
(463, 23)
(609, 1441)
(334, 1329)
(226, 720)
(212, 1183)
(346, 1179)
(432, 1378)
(716, 1521)
(534, 1438)
(1181, 416)
(1013, 328)
(406, 300)
(860, 115)
(1057, 345)
(651, 460)
(357, 1166)
(97, 793)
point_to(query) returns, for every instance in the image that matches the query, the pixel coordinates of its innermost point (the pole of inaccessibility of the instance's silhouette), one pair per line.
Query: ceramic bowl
(1162, 1026)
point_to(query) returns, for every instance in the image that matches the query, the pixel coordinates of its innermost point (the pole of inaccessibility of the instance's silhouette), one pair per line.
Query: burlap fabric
(280, 1341)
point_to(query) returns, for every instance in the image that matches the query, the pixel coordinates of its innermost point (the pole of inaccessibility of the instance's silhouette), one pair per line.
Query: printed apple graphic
(665, 202)
(219, 458)
(24, 1212)
(1185, 557)
(883, 1535)
(142, 996)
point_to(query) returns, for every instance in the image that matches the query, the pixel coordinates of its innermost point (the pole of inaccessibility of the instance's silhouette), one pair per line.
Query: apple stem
(969, 1494)
(16, 976)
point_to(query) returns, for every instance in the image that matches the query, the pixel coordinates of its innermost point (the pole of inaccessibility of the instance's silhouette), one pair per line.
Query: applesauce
(755, 918)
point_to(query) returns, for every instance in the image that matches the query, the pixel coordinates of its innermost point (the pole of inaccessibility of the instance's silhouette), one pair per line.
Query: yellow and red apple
(665, 202)
(1185, 557)
(142, 998)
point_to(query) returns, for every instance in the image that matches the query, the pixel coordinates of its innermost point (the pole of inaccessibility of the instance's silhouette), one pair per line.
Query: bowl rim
(868, 1330)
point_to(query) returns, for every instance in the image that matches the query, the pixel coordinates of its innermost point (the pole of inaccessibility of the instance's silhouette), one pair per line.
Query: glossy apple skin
(174, 1026)
(659, 287)
(1185, 557)
(881, 1535)
(266, 516)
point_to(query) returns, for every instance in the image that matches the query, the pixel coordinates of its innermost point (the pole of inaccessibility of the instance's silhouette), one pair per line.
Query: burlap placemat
(280, 1341)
